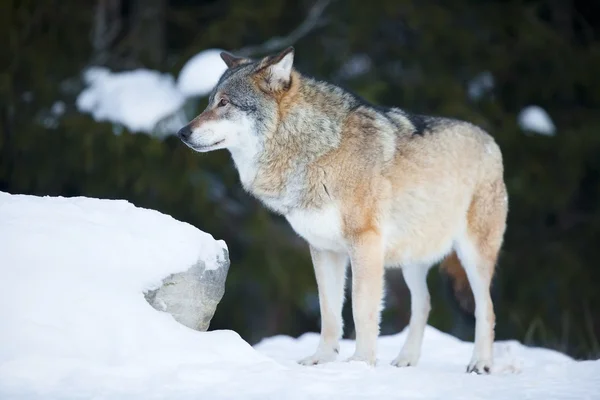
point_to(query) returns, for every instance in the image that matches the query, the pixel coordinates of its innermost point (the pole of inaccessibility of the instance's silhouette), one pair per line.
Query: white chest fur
(322, 228)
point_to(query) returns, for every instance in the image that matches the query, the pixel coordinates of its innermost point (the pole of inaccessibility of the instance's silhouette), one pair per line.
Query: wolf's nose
(185, 132)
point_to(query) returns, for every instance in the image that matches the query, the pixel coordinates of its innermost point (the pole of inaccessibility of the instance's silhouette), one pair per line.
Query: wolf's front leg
(367, 260)
(415, 277)
(330, 271)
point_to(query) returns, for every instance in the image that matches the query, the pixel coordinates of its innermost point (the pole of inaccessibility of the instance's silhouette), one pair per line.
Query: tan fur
(427, 187)
(286, 99)
(209, 115)
(370, 185)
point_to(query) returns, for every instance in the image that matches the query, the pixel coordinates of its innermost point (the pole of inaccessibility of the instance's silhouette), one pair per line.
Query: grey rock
(191, 297)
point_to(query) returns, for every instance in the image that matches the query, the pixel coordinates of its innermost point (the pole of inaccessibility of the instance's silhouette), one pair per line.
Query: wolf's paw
(406, 360)
(320, 357)
(480, 367)
(370, 360)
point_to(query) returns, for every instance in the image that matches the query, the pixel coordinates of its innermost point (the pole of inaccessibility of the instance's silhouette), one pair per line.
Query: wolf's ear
(232, 61)
(278, 69)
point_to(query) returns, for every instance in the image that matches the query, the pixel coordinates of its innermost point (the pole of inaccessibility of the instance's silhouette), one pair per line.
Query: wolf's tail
(456, 281)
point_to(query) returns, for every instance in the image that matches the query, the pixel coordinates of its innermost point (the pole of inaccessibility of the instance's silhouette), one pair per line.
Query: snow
(149, 101)
(138, 99)
(75, 325)
(536, 119)
(355, 66)
(58, 108)
(201, 73)
(74, 318)
(519, 372)
(481, 85)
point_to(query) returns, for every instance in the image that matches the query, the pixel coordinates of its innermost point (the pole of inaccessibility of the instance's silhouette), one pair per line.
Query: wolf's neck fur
(245, 161)
(310, 124)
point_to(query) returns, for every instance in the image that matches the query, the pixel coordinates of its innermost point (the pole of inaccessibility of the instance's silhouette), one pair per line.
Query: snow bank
(72, 310)
(201, 73)
(75, 325)
(137, 99)
(536, 119)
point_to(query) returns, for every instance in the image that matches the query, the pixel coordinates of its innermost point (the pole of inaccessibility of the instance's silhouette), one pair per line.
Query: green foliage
(423, 55)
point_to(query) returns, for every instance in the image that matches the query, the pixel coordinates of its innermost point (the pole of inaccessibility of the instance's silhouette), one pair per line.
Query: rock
(191, 297)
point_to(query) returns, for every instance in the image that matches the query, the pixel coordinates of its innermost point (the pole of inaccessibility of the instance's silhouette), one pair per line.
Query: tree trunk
(148, 31)
(129, 33)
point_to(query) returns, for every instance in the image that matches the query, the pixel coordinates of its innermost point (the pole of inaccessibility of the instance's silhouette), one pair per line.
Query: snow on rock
(137, 99)
(201, 73)
(73, 272)
(192, 296)
(95, 74)
(75, 325)
(536, 119)
(148, 101)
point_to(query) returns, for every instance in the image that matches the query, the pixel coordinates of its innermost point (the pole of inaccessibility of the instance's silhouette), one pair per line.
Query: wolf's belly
(421, 235)
(407, 241)
(405, 246)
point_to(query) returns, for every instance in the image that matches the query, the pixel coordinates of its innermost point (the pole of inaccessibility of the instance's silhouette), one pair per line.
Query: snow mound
(536, 119)
(137, 99)
(74, 318)
(75, 325)
(201, 73)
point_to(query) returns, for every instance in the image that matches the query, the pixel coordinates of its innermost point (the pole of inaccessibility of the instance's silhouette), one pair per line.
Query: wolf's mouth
(207, 147)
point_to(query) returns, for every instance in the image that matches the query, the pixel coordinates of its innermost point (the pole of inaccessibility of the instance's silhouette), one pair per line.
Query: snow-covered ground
(74, 324)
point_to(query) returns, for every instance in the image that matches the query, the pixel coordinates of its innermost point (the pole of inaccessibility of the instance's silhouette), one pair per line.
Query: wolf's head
(243, 108)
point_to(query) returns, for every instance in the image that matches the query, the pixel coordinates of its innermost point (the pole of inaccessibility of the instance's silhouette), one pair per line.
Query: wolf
(364, 185)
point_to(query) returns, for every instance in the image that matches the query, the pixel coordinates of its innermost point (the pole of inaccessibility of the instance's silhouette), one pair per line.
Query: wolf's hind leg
(479, 275)
(415, 277)
(478, 250)
(330, 271)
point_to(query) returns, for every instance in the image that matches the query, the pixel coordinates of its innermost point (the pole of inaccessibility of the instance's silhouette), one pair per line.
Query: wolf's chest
(322, 228)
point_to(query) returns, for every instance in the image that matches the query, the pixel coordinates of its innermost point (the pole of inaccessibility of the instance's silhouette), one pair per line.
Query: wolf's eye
(223, 103)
